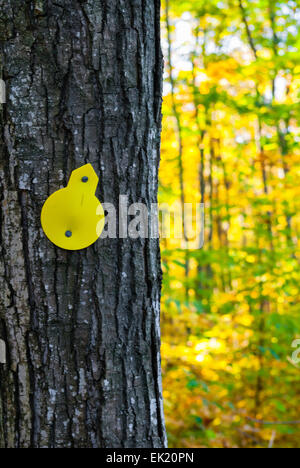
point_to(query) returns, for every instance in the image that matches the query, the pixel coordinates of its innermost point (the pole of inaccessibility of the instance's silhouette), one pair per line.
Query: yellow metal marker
(73, 218)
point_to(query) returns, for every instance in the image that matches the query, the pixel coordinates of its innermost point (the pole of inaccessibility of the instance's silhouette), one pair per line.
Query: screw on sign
(73, 218)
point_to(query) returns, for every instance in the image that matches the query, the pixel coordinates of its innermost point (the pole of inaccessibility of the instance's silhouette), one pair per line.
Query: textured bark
(81, 328)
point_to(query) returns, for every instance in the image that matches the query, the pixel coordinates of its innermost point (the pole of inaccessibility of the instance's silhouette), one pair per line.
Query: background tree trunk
(81, 328)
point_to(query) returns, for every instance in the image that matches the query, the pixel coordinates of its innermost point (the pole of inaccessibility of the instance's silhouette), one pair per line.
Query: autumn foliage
(230, 310)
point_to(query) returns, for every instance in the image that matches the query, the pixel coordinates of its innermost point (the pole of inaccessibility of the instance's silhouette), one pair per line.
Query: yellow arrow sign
(73, 218)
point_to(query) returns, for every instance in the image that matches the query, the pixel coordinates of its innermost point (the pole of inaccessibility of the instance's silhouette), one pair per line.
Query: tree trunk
(81, 329)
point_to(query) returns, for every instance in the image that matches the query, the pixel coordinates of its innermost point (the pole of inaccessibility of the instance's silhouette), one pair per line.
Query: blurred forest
(230, 311)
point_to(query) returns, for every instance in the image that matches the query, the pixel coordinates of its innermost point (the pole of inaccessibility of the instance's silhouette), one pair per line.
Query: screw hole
(85, 179)
(68, 234)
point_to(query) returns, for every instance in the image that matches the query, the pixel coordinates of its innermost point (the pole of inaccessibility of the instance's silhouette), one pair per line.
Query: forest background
(230, 310)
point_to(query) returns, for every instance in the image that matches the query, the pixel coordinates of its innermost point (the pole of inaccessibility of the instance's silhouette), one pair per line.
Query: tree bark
(81, 329)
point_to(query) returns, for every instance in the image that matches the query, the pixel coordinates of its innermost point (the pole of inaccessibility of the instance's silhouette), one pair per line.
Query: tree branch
(245, 21)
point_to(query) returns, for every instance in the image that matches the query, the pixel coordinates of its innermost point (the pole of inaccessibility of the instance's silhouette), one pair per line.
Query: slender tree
(81, 328)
